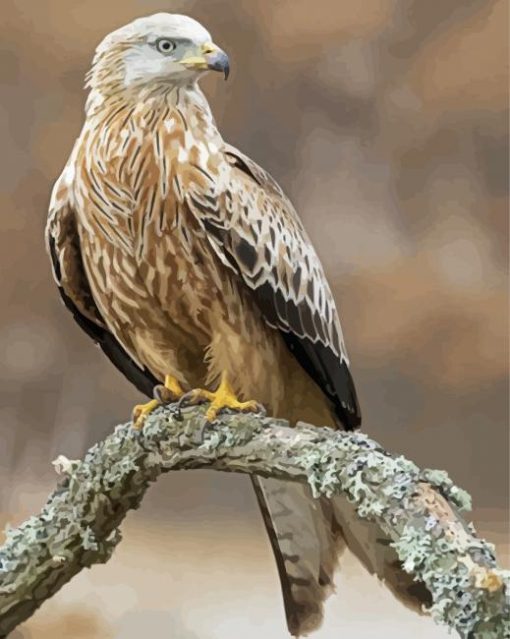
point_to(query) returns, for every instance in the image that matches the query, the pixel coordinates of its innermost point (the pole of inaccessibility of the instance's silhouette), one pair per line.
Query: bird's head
(165, 49)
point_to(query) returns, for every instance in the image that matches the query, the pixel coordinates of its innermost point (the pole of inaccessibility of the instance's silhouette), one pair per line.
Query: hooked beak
(211, 58)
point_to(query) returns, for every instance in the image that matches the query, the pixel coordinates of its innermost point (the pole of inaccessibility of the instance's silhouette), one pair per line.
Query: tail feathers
(300, 529)
(372, 547)
(308, 535)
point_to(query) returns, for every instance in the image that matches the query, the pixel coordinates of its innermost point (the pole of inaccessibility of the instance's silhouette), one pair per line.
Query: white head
(160, 49)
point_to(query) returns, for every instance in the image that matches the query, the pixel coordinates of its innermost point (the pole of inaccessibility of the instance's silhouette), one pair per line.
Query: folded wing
(63, 245)
(255, 231)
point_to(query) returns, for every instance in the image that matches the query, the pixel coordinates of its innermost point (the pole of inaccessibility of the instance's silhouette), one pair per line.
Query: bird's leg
(165, 393)
(222, 397)
(168, 392)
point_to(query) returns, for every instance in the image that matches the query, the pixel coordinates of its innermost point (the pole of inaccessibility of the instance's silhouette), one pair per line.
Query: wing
(63, 245)
(255, 231)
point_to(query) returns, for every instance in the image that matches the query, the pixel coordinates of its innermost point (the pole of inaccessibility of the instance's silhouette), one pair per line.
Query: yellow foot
(140, 412)
(165, 393)
(223, 397)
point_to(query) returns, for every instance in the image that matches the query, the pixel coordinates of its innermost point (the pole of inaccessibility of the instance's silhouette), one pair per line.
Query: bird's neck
(155, 121)
(155, 100)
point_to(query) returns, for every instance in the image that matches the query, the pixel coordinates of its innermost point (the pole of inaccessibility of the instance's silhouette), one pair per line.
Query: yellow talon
(223, 397)
(140, 411)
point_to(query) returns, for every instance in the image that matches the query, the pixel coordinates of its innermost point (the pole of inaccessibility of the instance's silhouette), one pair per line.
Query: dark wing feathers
(255, 231)
(64, 248)
(333, 377)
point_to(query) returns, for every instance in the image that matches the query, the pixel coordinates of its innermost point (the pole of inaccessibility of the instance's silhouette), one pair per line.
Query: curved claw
(140, 412)
(223, 397)
(195, 397)
(165, 393)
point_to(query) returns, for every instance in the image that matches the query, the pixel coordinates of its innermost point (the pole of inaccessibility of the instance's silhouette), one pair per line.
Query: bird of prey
(187, 264)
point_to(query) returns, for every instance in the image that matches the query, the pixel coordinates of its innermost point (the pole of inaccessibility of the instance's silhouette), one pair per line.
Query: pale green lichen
(88, 538)
(382, 488)
(80, 521)
(441, 480)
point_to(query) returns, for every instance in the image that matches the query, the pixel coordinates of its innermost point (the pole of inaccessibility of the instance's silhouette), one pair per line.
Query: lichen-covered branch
(416, 510)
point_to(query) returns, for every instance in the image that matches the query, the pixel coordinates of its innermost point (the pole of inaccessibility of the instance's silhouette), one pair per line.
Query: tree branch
(416, 510)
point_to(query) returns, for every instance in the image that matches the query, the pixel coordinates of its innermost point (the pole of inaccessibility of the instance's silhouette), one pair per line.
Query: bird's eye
(164, 45)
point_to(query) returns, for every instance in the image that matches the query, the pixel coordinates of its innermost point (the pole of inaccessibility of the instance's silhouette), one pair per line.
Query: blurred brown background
(386, 123)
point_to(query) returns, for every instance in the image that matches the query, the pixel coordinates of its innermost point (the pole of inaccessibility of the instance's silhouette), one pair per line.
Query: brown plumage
(180, 256)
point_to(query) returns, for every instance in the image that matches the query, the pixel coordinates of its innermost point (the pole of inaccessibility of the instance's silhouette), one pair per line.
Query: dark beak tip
(220, 62)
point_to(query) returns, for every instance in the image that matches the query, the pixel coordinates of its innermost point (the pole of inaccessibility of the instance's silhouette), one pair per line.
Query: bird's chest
(143, 246)
(163, 268)
(177, 264)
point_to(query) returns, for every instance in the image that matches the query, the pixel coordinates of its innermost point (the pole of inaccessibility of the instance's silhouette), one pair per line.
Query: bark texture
(417, 511)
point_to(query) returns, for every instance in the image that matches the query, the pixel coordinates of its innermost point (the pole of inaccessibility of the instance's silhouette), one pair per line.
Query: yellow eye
(164, 45)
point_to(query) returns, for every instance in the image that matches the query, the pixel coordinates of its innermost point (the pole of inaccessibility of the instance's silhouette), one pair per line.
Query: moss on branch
(417, 511)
